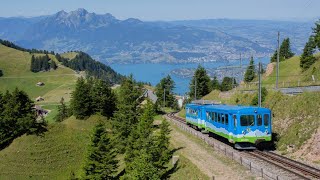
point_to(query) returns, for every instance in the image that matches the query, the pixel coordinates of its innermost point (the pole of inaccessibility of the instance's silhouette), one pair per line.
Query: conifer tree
(125, 117)
(285, 51)
(316, 32)
(81, 101)
(103, 98)
(63, 111)
(215, 83)
(101, 160)
(250, 72)
(53, 65)
(307, 58)
(202, 81)
(227, 83)
(164, 89)
(17, 117)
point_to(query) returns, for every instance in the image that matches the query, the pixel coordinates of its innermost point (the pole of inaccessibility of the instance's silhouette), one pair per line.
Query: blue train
(243, 126)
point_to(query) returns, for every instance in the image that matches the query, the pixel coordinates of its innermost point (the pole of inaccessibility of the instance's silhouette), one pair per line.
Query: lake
(153, 73)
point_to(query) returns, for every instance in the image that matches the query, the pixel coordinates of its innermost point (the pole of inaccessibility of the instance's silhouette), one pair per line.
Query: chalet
(40, 84)
(38, 99)
(40, 111)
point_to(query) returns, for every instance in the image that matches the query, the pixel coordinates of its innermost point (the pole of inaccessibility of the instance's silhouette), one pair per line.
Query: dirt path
(205, 158)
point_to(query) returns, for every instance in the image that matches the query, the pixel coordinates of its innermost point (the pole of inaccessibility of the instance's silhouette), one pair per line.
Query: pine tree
(316, 32)
(101, 160)
(17, 117)
(202, 81)
(307, 58)
(33, 67)
(125, 117)
(63, 111)
(164, 89)
(215, 83)
(228, 83)
(81, 101)
(103, 98)
(285, 51)
(53, 65)
(250, 72)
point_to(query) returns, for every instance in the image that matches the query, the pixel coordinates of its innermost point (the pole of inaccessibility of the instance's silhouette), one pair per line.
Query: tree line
(14, 46)
(17, 117)
(285, 51)
(42, 63)
(83, 62)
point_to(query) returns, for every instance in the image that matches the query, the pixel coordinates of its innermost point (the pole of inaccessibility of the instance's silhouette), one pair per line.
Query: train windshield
(266, 119)
(247, 120)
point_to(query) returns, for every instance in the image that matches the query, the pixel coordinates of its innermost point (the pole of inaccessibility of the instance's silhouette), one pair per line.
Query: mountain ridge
(111, 40)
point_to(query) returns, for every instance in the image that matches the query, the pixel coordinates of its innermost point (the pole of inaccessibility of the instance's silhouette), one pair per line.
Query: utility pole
(278, 57)
(164, 97)
(195, 88)
(260, 69)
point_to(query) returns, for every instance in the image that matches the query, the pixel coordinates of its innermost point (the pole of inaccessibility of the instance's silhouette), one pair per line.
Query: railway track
(300, 170)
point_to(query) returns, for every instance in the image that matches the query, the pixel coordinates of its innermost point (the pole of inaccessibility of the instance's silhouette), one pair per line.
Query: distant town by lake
(153, 73)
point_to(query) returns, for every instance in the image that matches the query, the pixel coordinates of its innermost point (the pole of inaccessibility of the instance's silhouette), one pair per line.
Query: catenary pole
(278, 57)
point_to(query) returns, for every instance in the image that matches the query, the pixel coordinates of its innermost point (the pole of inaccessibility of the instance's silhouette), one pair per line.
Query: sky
(151, 10)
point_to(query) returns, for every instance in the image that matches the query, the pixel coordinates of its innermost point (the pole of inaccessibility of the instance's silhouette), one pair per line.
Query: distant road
(294, 90)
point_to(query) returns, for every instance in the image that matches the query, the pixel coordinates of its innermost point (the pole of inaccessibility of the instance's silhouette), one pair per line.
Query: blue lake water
(153, 73)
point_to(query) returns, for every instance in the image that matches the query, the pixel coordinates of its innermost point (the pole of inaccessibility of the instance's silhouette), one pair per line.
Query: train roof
(225, 107)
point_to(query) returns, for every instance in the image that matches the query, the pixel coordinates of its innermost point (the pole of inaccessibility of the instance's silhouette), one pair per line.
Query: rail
(298, 169)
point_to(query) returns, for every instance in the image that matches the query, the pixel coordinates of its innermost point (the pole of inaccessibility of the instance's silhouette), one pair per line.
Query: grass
(187, 170)
(16, 67)
(69, 55)
(59, 152)
(291, 72)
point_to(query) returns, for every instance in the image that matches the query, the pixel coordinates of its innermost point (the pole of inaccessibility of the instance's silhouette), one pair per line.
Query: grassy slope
(290, 71)
(59, 152)
(69, 55)
(16, 67)
(295, 119)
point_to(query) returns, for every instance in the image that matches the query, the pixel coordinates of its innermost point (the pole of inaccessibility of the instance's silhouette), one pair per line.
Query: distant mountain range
(111, 40)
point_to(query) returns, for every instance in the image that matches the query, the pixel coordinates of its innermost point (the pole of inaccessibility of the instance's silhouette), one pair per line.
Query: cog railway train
(243, 126)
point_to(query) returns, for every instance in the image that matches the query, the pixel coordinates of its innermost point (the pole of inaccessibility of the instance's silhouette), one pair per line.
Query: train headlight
(243, 132)
(267, 132)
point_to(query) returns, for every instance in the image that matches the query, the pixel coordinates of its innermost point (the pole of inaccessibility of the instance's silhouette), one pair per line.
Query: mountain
(111, 40)
(264, 32)
(124, 41)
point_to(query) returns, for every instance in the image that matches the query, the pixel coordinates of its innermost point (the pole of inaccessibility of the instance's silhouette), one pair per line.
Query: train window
(259, 120)
(222, 118)
(247, 120)
(219, 117)
(235, 120)
(266, 119)
(208, 115)
(227, 121)
(216, 117)
(212, 116)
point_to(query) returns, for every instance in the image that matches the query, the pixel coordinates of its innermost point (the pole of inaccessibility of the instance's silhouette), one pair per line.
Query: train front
(254, 127)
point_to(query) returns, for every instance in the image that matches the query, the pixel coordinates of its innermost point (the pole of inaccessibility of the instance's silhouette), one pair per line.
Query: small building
(40, 84)
(40, 111)
(38, 99)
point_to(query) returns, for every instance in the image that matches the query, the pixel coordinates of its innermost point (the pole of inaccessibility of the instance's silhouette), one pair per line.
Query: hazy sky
(170, 9)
